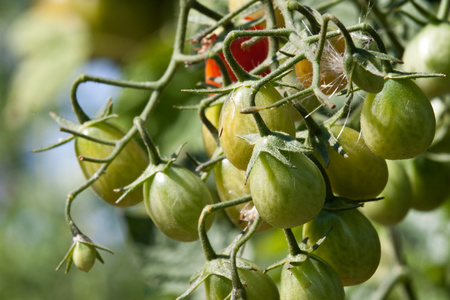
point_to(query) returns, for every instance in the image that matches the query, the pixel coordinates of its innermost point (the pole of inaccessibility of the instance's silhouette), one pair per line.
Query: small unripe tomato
(367, 81)
(332, 73)
(175, 198)
(398, 122)
(286, 197)
(362, 175)
(258, 285)
(230, 183)
(310, 280)
(233, 123)
(123, 170)
(84, 256)
(429, 52)
(397, 197)
(352, 247)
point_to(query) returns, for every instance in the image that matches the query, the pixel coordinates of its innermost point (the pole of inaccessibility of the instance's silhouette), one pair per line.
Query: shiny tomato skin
(397, 197)
(362, 175)
(332, 74)
(125, 168)
(398, 122)
(429, 52)
(258, 285)
(287, 197)
(233, 123)
(310, 280)
(352, 247)
(174, 199)
(230, 183)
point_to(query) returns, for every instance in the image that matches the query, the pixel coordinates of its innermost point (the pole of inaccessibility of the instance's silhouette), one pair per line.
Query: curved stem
(294, 249)
(155, 158)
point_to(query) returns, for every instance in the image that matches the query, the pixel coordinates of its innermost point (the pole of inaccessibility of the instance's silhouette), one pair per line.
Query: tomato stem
(294, 249)
(444, 9)
(155, 158)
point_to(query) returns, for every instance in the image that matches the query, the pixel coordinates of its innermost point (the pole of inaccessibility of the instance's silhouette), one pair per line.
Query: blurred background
(44, 46)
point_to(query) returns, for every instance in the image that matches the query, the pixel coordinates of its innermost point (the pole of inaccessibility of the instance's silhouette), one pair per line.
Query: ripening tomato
(332, 73)
(230, 183)
(287, 197)
(258, 285)
(175, 198)
(398, 122)
(362, 175)
(310, 280)
(352, 247)
(232, 123)
(123, 170)
(429, 51)
(430, 182)
(397, 197)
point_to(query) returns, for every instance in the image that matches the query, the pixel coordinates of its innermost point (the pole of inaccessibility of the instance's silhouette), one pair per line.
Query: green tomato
(430, 182)
(352, 247)
(174, 199)
(362, 175)
(429, 51)
(397, 197)
(398, 122)
(310, 280)
(230, 183)
(84, 256)
(233, 123)
(287, 197)
(367, 81)
(123, 170)
(258, 285)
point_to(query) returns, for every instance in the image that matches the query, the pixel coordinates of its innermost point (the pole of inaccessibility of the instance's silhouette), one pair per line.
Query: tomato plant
(130, 163)
(398, 122)
(232, 123)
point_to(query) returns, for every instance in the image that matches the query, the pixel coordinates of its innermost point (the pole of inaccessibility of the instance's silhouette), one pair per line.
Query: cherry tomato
(310, 280)
(397, 197)
(429, 181)
(84, 256)
(332, 73)
(398, 122)
(233, 123)
(362, 175)
(258, 285)
(230, 185)
(366, 80)
(174, 199)
(287, 197)
(352, 247)
(429, 51)
(123, 170)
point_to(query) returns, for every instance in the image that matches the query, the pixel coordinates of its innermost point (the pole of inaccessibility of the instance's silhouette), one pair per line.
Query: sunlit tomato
(123, 170)
(366, 80)
(230, 185)
(429, 51)
(174, 199)
(430, 182)
(332, 73)
(352, 247)
(232, 123)
(397, 197)
(258, 285)
(287, 197)
(212, 114)
(398, 122)
(310, 280)
(362, 175)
